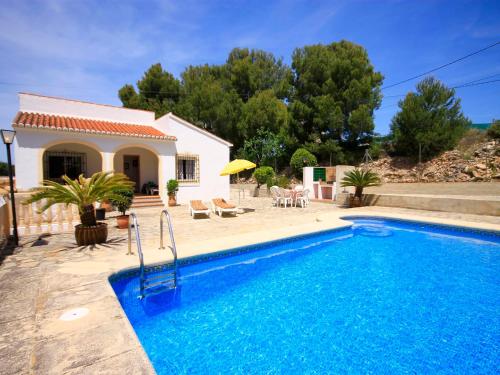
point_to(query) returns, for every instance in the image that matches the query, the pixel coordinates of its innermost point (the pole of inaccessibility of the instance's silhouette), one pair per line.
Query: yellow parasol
(237, 166)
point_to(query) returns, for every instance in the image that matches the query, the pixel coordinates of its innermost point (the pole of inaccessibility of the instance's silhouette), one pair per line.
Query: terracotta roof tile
(74, 124)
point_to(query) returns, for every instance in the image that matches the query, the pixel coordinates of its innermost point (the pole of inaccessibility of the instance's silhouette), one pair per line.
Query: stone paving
(48, 276)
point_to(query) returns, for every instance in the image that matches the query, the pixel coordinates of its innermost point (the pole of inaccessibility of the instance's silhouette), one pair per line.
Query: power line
(455, 87)
(442, 66)
(475, 84)
(487, 77)
(468, 84)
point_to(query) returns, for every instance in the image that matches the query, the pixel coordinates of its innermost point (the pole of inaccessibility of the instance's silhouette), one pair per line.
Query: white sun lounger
(220, 206)
(198, 207)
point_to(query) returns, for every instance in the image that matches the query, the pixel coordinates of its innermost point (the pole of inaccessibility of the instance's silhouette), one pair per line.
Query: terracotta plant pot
(91, 235)
(106, 205)
(122, 221)
(172, 201)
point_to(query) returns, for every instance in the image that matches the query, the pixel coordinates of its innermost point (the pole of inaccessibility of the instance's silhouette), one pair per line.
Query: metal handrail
(171, 232)
(133, 221)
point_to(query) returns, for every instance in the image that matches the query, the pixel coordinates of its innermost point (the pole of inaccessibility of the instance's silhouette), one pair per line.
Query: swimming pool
(383, 296)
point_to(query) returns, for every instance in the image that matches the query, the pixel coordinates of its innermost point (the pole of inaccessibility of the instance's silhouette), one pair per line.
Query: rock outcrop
(480, 163)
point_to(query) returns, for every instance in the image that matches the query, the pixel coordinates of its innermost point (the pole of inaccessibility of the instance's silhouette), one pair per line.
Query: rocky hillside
(477, 162)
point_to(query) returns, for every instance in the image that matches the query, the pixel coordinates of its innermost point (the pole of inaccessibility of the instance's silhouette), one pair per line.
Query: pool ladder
(150, 285)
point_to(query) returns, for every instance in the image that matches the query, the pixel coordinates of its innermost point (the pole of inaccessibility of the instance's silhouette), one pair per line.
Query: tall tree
(251, 71)
(430, 120)
(159, 91)
(336, 90)
(264, 111)
(210, 103)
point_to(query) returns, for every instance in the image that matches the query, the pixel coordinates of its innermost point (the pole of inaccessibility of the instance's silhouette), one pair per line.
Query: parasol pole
(239, 187)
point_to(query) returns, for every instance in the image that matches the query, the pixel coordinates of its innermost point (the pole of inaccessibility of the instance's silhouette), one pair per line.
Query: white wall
(213, 156)
(75, 108)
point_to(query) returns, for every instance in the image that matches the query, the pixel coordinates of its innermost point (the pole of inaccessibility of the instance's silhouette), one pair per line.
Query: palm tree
(83, 192)
(360, 179)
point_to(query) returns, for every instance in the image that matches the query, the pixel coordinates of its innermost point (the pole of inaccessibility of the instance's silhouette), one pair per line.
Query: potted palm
(123, 205)
(84, 192)
(359, 179)
(172, 187)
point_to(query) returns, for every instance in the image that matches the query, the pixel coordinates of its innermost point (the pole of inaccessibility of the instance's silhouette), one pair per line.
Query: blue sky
(88, 49)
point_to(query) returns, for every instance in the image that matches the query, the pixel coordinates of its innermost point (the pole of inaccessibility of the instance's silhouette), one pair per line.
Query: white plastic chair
(286, 197)
(275, 194)
(303, 199)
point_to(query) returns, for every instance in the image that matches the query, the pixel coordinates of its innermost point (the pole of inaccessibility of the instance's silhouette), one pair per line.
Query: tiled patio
(48, 276)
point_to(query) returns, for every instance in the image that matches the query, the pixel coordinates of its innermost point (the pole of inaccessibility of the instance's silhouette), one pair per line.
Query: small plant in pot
(172, 187)
(83, 193)
(359, 179)
(122, 205)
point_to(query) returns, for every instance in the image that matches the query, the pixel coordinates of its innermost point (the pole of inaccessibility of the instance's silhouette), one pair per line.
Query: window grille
(56, 164)
(188, 168)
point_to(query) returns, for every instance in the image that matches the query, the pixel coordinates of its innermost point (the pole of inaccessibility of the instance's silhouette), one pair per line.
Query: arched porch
(140, 164)
(71, 159)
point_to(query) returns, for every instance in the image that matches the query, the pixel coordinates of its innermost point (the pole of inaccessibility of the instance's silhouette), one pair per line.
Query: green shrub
(263, 174)
(172, 186)
(493, 131)
(302, 158)
(122, 205)
(376, 149)
(281, 181)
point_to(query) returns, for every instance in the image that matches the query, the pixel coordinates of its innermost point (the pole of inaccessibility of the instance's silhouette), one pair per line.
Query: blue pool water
(380, 297)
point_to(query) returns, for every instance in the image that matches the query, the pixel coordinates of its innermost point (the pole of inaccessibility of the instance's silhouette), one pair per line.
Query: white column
(107, 161)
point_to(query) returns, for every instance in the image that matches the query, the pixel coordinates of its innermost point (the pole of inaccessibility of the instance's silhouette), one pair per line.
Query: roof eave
(94, 132)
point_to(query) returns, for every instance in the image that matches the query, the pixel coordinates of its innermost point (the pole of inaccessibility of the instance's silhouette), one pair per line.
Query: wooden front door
(131, 168)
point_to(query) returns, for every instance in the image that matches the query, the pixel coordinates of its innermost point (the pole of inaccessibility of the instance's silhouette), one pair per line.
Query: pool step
(158, 283)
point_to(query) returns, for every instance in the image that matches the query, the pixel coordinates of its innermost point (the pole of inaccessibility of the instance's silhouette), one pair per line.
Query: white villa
(58, 136)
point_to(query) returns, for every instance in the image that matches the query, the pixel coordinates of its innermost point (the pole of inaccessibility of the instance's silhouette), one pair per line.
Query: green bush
(172, 186)
(281, 181)
(493, 131)
(263, 174)
(302, 158)
(124, 204)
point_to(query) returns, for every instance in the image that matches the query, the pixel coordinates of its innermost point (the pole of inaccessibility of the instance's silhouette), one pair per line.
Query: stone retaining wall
(466, 205)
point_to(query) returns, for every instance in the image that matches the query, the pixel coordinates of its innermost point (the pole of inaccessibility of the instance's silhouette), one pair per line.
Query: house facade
(57, 136)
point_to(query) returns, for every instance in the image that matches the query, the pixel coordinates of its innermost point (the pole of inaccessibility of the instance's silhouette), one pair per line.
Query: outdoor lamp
(8, 138)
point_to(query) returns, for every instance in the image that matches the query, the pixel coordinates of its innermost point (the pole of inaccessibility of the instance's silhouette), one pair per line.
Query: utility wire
(475, 84)
(468, 84)
(456, 87)
(442, 66)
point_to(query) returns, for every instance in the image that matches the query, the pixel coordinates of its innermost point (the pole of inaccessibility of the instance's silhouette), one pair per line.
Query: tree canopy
(159, 91)
(336, 90)
(430, 118)
(324, 102)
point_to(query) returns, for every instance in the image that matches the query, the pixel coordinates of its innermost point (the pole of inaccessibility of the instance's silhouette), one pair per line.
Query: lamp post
(8, 137)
